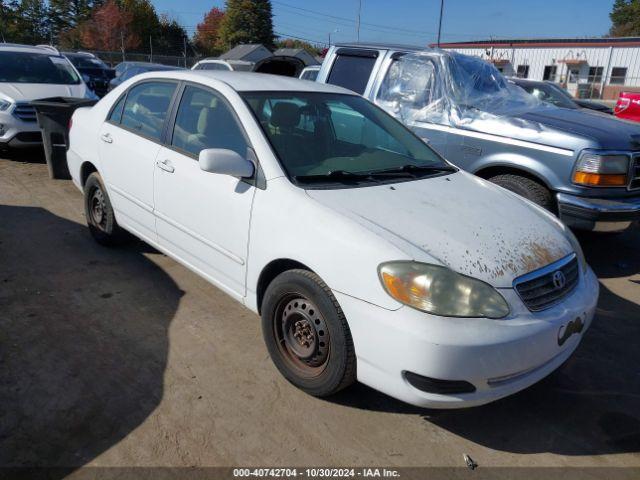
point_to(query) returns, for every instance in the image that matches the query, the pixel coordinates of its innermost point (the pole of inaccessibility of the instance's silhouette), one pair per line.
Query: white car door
(129, 144)
(203, 218)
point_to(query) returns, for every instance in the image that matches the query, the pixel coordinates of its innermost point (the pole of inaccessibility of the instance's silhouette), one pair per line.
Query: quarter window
(204, 121)
(352, 72)
(146, 108)
(116, 113)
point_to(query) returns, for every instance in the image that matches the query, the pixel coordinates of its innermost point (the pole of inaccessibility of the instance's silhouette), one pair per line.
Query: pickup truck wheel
(527, 188)
(307, 334)
(99, 213)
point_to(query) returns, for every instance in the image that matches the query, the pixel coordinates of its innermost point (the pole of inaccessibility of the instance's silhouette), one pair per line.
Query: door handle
(165, 165)
(106, 137)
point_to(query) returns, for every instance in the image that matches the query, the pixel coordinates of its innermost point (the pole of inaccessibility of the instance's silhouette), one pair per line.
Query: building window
(618, 75)
(523, 71)
(595, 74)
(574, 73)
(550, 72)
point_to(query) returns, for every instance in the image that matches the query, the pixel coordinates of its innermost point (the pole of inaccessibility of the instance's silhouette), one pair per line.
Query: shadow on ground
(75, 379)
(590, 406)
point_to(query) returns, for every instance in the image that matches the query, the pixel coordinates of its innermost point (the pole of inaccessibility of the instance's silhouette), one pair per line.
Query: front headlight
(441, 291)
(577, 248)
(4, 105)
(594, 170)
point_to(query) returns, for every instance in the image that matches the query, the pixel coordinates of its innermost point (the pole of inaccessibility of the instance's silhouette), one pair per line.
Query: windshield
(477, 84)
(334, 138)
(22, 67)
(86, 62)
(548, 93)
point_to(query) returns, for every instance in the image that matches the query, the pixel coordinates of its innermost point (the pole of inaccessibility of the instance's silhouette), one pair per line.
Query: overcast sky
(416, 21)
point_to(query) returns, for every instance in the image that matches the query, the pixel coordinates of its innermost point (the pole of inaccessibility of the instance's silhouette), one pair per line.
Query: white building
(594, 67)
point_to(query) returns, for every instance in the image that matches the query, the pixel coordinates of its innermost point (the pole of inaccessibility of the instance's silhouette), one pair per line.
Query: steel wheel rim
(302, 335)
(97, 208)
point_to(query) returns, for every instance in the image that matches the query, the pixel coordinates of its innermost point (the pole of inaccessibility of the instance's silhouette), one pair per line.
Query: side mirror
(225, 162)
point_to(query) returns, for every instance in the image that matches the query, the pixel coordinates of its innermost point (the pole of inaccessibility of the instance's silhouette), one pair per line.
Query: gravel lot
(122, 357)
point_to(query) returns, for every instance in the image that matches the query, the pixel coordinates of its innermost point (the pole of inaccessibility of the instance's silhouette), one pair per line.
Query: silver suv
(584, 166)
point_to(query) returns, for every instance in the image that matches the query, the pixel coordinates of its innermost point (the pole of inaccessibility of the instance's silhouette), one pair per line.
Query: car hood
(472, 226)
(573, 129)
(32, 91)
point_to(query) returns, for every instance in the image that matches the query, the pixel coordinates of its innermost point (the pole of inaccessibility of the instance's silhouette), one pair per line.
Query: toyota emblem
(559, 280)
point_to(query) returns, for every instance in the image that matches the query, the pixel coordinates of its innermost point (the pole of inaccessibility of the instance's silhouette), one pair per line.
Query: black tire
(99, 214)
(527, 188)
(298, 302)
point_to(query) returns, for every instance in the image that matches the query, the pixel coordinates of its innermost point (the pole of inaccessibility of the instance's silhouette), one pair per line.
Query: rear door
(203, 218)
(129, 143)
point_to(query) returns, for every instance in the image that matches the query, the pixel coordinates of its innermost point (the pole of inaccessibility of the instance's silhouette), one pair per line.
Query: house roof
(546, 42)
(296, 52)
(239, 52)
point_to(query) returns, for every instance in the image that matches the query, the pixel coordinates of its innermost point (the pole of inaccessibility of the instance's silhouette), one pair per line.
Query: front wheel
(307, 335)
(99, 213)
(527, 188)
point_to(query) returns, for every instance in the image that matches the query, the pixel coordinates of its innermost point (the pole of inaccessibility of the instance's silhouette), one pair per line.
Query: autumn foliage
(109, 28)
(206, 38)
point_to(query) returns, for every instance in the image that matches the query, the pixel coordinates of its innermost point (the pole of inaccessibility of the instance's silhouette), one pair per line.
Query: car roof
(42, 49)
(249, 81)
(384, 46)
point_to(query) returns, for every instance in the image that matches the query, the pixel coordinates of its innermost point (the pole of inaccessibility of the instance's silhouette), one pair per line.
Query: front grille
(25, 112)
(634, 181)
(545, 287)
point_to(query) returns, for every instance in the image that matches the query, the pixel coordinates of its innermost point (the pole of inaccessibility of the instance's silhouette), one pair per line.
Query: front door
(129, 143)
(203, 218)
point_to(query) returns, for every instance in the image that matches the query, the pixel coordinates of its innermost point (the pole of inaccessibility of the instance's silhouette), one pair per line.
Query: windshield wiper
(412, 170)
(334, 175)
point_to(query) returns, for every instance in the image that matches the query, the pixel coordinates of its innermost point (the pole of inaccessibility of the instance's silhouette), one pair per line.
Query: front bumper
(598, 214)
(17, 133)
(497, 357)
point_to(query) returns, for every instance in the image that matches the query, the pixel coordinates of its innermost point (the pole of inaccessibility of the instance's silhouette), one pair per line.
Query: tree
(109, 29)
(170, 37)
(247, 21)
(294, 43)
(145, 23)
(207, 33)
(9, 21)
(32, 22)
(65, 15)
(625, 17)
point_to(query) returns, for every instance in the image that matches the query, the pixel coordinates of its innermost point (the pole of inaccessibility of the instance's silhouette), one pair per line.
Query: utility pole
(150, 50)
(440, 22)
(184, 40)
(358, 21)
(334, 31)
(122, 44)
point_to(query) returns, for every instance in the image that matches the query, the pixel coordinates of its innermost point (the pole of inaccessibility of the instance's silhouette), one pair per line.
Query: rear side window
(145, 109)
(204, 121)
(351, 72)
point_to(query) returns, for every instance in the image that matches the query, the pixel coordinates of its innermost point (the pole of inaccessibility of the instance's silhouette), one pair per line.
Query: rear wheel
(527, 188)
(307, 334)
(99, 214)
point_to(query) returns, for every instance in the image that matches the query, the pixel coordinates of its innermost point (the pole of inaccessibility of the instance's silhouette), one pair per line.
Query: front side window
(410, 88)
(145, 109)
(22, 67)
(331, 138)
(352, 72)
(205, 120)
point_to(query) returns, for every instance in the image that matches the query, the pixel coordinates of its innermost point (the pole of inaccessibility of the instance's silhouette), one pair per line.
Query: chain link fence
(114, 58)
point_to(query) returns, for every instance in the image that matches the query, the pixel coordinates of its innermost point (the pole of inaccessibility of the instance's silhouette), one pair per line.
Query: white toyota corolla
(366, 254)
